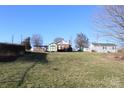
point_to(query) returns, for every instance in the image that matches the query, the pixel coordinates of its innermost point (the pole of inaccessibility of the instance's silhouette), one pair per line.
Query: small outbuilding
(52, 47)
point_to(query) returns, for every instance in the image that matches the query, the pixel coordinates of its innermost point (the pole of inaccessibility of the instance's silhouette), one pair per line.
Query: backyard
(63, 70)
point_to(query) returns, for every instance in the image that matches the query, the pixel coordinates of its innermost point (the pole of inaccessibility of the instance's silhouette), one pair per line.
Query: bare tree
(81, 41)
(37, 40)
(110, 22)
(58, 39)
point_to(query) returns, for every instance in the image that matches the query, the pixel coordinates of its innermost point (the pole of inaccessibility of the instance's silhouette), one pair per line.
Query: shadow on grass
(27, 57)
(36, 57)
(8, 58)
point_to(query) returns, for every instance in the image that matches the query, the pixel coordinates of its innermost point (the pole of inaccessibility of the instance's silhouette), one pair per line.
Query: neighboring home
(102, 48)
(63, 45)
(59, 46)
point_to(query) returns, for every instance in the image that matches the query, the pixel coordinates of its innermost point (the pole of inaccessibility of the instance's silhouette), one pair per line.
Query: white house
(102, 48)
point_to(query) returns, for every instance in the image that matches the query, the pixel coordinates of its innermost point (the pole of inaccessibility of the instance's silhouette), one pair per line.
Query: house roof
(104, 44)
(60, 42)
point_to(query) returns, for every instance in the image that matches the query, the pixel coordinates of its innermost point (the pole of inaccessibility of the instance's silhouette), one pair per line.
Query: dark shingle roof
(104, 44)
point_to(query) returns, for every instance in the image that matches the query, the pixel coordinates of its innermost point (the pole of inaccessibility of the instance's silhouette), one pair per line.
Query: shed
(52, 47)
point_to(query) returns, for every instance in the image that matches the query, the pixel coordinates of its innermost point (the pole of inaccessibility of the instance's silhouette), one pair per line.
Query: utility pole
(12, 39)
(70, 41)
(21, 39)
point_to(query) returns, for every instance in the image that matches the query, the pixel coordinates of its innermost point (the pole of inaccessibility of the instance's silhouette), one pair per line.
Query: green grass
(63, 70)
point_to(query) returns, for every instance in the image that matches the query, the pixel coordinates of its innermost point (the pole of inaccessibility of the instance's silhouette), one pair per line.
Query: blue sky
(48, 21)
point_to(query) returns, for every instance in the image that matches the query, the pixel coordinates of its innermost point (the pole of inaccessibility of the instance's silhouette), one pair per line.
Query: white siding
(52, 47)
(103, 49)
(86, 49)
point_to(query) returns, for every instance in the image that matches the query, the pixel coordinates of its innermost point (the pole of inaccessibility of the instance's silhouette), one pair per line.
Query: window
(104, 47)
(59, 47)
(113, 47)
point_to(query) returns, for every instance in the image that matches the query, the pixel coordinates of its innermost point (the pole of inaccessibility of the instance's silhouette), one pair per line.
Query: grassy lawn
(67, 70)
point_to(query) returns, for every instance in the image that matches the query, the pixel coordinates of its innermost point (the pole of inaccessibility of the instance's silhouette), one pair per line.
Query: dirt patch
(116, 56)
(56, 69)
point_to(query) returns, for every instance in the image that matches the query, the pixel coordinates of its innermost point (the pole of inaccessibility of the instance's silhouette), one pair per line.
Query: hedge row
(11, 49)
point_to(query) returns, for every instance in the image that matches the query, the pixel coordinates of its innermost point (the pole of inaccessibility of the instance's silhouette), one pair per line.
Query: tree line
(36, 40)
